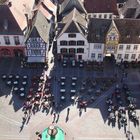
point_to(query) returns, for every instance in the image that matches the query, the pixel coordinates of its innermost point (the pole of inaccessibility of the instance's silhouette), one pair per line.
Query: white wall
(94, 49)
(79, 36)
(42, 47)
(97, 15)
(130, 52)
(11, 38)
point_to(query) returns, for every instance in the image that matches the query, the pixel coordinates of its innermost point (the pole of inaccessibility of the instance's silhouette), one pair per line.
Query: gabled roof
(113, 25)
(41, 26)
(129, 30)
(74, 22)
(131, 9)
(19, 8)
(8, 23)
(68, 5)
(44, 11)
(52, 7)
(98, 29)
(101, 6)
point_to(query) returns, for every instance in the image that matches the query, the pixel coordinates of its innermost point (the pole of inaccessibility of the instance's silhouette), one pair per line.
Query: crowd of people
(39, 96)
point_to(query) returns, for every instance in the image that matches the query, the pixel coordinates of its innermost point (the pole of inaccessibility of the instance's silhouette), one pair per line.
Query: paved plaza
(90, 124)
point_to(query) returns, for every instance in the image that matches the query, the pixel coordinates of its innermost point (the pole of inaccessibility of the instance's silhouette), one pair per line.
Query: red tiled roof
(101, 6)
(50, 6)
(45, 12)
(19, 8)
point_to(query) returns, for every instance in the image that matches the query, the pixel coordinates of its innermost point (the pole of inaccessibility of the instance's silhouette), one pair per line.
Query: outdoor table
(89, 90)
(62, 90)
(63, 78)
(72, 97)
(4, 76)
(37, 103)
(10, 76)
(74, 78)
(109, 109)
(40, 84)
(15, 82)
(29, 96)
(98, 91)
(21, 89)
(24, 83)
(9, 82)
(62, 98)
(39, 89)
(15, 88)
(46, 89)
(72, 91)
(41, 78)
(17, 76)
(73, 84)
(82, 89)
(49, 77)
(62, 83)
(22, 94)
(25, 77)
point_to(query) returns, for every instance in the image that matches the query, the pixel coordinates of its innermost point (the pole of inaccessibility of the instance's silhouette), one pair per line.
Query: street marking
(15, 137)
(11, 120)
(86, 138)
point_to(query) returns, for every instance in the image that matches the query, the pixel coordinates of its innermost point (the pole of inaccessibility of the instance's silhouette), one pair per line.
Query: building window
(119, 56)
(72, 50)
(72, 43)
(139, 56)
(121, 47)
(93, 55)
(6, 39)
(94, 16)
(128, 47)
(80, 50)
(80, 43)
(100, 16)
(72, 35)
(98, 46)
(16, 39)
(63, 50)
(126, 56)
(133, 56)
(110, 16)
(63, 43)
(99, 56)
(36, 52)
(135, 47)
(105, 16)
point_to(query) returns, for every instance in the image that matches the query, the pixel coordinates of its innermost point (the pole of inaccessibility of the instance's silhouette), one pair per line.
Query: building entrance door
(79, 57)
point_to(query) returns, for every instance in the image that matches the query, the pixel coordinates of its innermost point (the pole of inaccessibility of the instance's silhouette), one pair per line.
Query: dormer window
(128, 36)
(71, 35)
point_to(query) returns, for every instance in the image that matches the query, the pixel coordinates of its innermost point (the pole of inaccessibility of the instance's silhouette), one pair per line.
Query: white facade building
(37, 39)
(72, 47)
